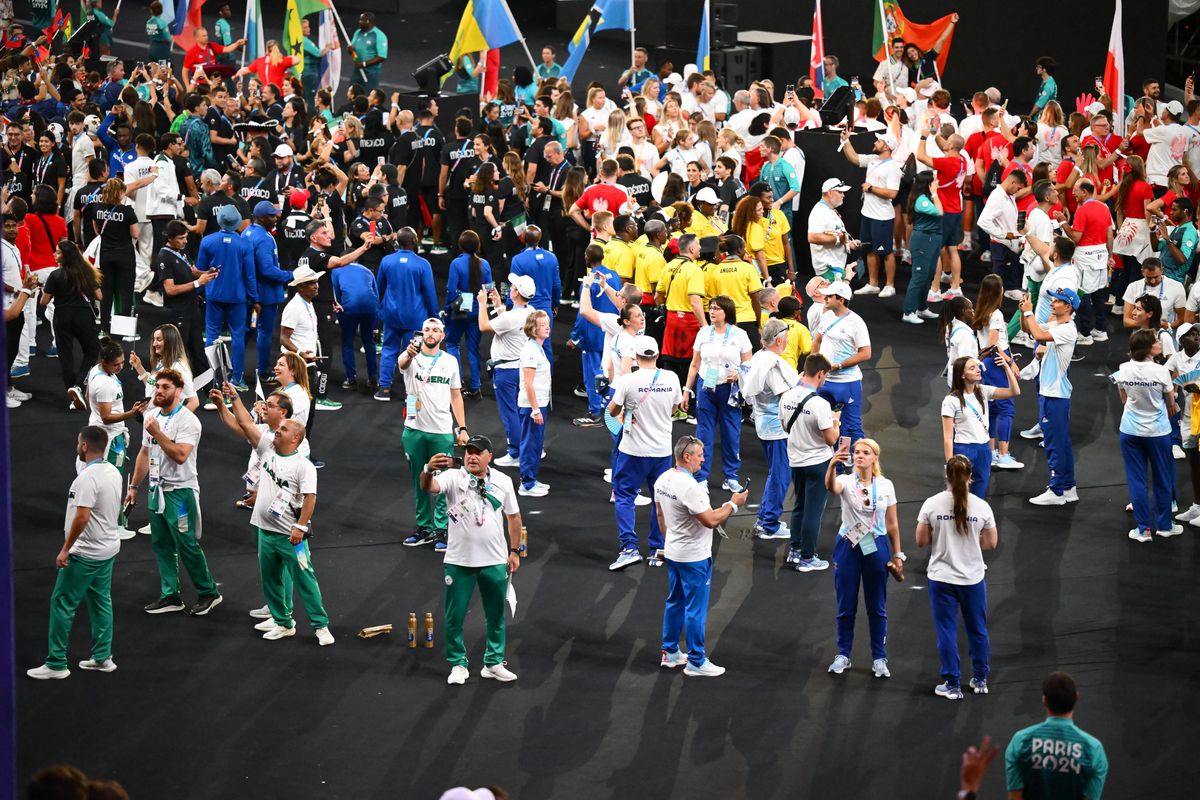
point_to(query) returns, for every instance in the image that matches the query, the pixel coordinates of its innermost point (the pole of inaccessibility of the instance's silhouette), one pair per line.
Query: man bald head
(288, 437)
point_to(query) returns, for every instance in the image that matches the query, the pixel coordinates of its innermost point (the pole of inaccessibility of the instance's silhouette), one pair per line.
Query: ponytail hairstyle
(958, 477)
(877, 468)
(958, 381)
(468, 242)
(110, 351)
(951, 310)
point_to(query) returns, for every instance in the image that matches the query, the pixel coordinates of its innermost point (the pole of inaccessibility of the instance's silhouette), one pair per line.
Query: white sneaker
(1084, 341)
(880, 668)
(867, 289)
(324, 637)
(107, 665)
(44, 673)
(1129, 508)
(506, 461)
(1099, 336)
(279, 632)
(145, 529)
(1071, 495)
(1140, 536)
(952, 292)
(672, 660)
(1189, 515)
(887, 291)
(498, 672)
(732, 486)
(1175, 531)
(912, 319)
(261, 613)
(1006, 461)
(536, 491)
(840, 664)
(265, 625)
(125, 534)
(11, 401)
(985, 257)
(641, 500)
(933, 297)
(1177, 452)
(947, 277)
(608, 474)
(624, 559)
(18, 394)
(925, 313)
(706, 670)
(1032, 433)
(1048, 498)
(458, 675)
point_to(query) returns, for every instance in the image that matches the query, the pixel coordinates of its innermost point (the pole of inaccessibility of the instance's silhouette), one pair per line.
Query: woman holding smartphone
(966, 411)
(867, 548)
(991, 331)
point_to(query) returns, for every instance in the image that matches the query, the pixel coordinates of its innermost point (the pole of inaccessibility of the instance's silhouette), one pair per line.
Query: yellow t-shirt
(756, 237)
(648, 266)
(737, 280)
(705, 226)
(799, 342)
(774, 231)
(680, 279)
(619, 257)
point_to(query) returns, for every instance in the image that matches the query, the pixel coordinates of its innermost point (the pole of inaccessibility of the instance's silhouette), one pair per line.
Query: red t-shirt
(602, 197)
(1106, 148)
(1139, 146)
(273, 73)
(1136, 198)
(985, 151)
(41, 245)
(1093, 221)
(23, 248)
(951, 174)
(202, 56)
(1028, 201)
(1060, 176)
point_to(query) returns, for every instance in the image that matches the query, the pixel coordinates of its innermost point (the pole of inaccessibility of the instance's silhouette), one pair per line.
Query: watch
(516, 551)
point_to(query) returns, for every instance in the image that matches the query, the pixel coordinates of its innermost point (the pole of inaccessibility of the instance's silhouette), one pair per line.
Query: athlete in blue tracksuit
(234, 289)
(406, 299)
(468, 273)
(542, 266)
(842, 338)
(272, 281)
(1058, 337)
(356, 301)
(589, 338)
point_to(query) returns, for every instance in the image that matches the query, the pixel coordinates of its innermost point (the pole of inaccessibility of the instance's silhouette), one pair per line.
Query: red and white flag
(1114, 73)
(816, 58)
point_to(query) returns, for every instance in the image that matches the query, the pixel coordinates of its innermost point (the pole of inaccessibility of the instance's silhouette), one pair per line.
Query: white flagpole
(633, 34)
(338, 19)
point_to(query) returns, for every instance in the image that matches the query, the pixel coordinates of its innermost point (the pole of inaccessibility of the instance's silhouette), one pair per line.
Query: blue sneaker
(419, 538)
(793, 556)
(625, 558)
(52, 352)
(19, 372)
(949, 692)
(813, 564)
(439, 543)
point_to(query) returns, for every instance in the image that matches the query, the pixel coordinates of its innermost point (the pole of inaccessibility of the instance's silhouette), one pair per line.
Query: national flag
(329, 74)
(168, 15)
(816, 56)
(253, 31)
(485, 25)
(702, 59)
(1114, 73)
(604, 15)
(60, 19)
(293, 33)
(491, 74)
(67, 28)
(187, 19)
(894, 24)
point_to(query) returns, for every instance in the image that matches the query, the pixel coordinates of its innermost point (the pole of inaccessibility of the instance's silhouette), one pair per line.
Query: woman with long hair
(514, 188)
(468, 273)
(991, 331)
(51, 167)
(675, 194)
(106, 400)
(46, 228)
(117, 226)
(533, 402)
(1180, 183)
(295, 125)
(925, 245)
(719, 351)
(747, 223)
(695, 180)
(167, 351)
(958, 526)
(867, 548)
(1089, 168)
(965, 413)
(291, 371)
(1148, 396)
(650, 93)
(1132, 239)
(706, 144)
(75, 289)
(485, 205)
(570, 257)
(954, 329)
(616, 134)
(682, 152)
(670, 122)
(1050, 134)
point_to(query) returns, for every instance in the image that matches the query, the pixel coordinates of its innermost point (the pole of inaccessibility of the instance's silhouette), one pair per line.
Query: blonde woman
(1089, 167)
(616, 134)
(291, 372)
(650, 92)
(593, 119)
(533, 402)
(167, 351)
(683, 151)
(731, 145)
(1050, 134)
(670, 122)
(706, 144)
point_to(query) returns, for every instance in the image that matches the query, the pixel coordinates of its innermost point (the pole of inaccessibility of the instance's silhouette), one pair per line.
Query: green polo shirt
(1055, 760)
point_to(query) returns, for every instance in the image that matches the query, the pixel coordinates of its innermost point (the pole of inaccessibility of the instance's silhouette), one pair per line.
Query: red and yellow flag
(894, 24)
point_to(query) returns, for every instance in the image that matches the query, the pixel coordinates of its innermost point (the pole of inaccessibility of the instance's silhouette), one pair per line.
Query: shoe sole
(984, 690)
(837, 671)
(213, 605)
(949, 696)
(113, 668)
(76, 397)
(417, 544)
(811, 569)
(881, 674)
(619, 567)
(496, 678)
(164, 610)
(284, 636)
(55, 676)
(1008, 466)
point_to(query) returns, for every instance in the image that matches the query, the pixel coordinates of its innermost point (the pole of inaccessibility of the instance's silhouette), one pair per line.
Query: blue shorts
(877, 234)
(952, 231)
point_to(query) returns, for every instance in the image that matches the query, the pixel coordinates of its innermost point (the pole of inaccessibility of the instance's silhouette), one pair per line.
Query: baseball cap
(524, 284)
(645, 346)
(834, 185)
(791, 117)
(1067, 295)
(1094, 109)
(1182, 330)
(265, 208)
(1176, 108)
(838, 289)
(908, 93)
(283, 151)
(298, 198)
(434, 321)
(706, 195)
(480, 443)
(888, 139)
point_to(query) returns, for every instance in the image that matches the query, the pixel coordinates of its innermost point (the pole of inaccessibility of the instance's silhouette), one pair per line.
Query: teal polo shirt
(1055, 759)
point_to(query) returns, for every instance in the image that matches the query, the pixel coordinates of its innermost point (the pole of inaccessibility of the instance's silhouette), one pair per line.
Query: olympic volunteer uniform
(533, 435)
(956, 571)
(1169, 292)
(688, 552)
(507, 344)
(720, 357)
(301, 408)
(1146, 440)
(829, 260)
(285, 480)
(1054, 405)
(768, 378)
(841, 338)
(970, 417)
(960, 341)
(429, 427)
(864, 511)
(1055, 758)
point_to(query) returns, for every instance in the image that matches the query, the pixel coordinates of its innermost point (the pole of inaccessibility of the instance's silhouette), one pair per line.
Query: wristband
(300, 527)
(24, 291)
(196, 285)
(732, 506)
(426, 470)
(1026, 313)
(461, 429)
(900, 555)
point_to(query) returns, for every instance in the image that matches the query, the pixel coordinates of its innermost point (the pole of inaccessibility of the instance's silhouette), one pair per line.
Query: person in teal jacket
(104, 38)
(158, 34)
(1055, 758)
(223, 35)
(370, 47)
(1048, 91)
(312, 62)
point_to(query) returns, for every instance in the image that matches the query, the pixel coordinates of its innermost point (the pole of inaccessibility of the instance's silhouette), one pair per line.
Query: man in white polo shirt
(1169, 292)
(845, 342)
(828, 241)
(881, 186)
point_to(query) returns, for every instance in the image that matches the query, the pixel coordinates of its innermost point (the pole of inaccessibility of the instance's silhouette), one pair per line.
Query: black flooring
(204, 708)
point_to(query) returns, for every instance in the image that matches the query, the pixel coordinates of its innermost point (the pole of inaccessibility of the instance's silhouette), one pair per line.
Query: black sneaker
(472, 394)
(318, 464)
(421, 537)
(349, 384)
(164, 605)
(205, 604)
(580, 391)
(589, 421)
(384, 395)
(269, 380)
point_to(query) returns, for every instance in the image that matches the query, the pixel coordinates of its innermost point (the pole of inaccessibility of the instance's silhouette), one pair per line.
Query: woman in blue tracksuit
(468, 274)
(959, 527)
(867, 548)
(991, 331)
(966, 411)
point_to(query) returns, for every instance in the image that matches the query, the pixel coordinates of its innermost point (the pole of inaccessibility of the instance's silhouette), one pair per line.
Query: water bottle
(412, 629)
(428, 630)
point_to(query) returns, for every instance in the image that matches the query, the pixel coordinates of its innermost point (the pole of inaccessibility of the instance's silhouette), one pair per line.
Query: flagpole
(338, 19)
(633, 36)
(246, 30)
(887, 47)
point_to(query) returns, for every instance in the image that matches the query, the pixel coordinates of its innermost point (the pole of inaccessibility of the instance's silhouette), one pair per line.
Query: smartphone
(791, 89)
(1100, 84)
(381, 161)
(456, 461)
(843, 441)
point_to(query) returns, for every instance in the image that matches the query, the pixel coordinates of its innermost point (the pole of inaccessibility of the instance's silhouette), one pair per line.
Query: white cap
(645, 347)
(283, 151)
(838, 289)
(524, 284)
(834, 185)
(91, 123)
(908, 93)
(1094, 109)
(706, 195)
(888, 139)
(689, 70)
(930, 89)
(791, 116)
(673, 79)
(1176, 108)
(1183, 329)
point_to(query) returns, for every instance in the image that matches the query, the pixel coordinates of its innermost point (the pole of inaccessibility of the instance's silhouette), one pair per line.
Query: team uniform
(1146, 441)
(688, 553)
(841, 338)
(428, 427)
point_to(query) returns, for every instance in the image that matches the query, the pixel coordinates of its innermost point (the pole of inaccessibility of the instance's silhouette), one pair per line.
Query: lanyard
(978, 416)
(287, 179)
(43, 165)
(874, 503)
(833, 325)
(650, 389)
(554, 175)
(429, 372)
(164, 421)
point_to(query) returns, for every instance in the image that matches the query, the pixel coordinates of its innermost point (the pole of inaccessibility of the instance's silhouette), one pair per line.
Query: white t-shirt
(1049, 139)
(431, 381)
(996, 322)
(825, 219)
(841, 338)
(885, 174)
(97, 487)
(534, 355)
(1169, 292)
(510, 336)
(1168, 145)
(618, 344)
(645, 156)
(865, 503)
(478, 531)
(181, 427)
(1053, 381)
(10, 257)
(301, 403)
(301, 317)
(83, 150)
(1144, 383)
(768, 378)
(956, 558)
(1039, 224)
(185, 372)
(806, 444)
(680, 496)
(720, 353)
(651, 395)
(971, 421)
(899, 74)
(282, 484)
(105, 388)
(135, 170)
(1064, 276)
(960, 341)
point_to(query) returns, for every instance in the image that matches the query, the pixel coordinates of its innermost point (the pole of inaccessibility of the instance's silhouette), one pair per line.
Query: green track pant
(82, 580)
(460, 585)
(279, 569)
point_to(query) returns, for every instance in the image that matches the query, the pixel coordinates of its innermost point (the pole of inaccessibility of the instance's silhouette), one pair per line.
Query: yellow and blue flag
(605, 15)
(702, 58)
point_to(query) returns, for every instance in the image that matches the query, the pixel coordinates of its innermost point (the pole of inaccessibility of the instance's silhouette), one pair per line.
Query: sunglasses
(866, 497)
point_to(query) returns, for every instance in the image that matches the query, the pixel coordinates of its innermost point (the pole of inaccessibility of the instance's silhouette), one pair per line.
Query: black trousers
(12, 337)
(454, 221)
(751, 329)
(191, 330)
(570, 256)
(116, 287)
(76, 324)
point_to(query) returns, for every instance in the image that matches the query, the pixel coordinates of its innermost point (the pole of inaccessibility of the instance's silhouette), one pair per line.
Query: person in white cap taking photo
(508, 344)
(828, 240)
(880, 188)
(286, 176)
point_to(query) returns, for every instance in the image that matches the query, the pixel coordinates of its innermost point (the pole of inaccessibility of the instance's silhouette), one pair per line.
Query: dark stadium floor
(203, 708)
